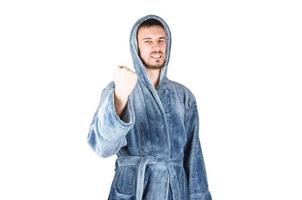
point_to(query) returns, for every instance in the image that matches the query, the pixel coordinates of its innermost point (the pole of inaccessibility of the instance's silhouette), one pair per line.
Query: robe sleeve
(193, 157)
(107, 132)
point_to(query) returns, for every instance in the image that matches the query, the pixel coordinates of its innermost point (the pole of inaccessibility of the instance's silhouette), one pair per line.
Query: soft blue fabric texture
(156, 139)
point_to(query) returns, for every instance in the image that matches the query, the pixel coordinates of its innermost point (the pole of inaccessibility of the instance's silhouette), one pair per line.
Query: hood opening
(139, 67)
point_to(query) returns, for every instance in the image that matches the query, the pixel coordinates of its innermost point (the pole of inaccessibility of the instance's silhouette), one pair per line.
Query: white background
(241, 59)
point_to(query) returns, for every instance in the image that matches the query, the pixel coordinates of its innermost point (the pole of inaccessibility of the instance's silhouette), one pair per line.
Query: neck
(154, 75)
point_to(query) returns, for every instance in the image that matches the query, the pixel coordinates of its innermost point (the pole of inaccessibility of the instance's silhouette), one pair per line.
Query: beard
(153, 67)
(150, 66)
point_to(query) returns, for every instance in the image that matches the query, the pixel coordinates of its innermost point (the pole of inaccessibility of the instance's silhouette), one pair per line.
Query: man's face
(152, 46)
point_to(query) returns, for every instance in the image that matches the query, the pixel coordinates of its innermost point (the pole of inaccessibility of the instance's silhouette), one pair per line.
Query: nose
(156, 46)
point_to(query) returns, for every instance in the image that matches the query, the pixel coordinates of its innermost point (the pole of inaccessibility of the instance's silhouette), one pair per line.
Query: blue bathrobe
(156, 139)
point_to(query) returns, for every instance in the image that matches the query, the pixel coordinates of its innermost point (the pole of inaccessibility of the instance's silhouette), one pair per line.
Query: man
(151, 123)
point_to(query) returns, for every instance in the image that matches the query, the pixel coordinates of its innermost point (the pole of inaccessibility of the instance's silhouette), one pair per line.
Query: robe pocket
(125, 181)
(119, 196)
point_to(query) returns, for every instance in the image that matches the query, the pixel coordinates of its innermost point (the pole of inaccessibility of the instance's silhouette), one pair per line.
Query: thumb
(127, 68)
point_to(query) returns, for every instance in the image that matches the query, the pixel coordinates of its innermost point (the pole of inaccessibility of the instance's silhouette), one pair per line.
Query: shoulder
(181, 89)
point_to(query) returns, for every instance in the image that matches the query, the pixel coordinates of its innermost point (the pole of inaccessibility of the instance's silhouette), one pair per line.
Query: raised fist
(124, 80)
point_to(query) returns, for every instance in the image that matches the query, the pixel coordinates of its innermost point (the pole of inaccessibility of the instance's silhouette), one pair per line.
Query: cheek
(145, 52)
(142, 52)
(164, 48)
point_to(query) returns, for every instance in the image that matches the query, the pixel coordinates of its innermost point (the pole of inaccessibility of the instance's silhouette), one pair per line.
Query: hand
(124, 80)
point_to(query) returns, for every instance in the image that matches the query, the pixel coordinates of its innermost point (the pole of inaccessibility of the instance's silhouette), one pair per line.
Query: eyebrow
(149, 38)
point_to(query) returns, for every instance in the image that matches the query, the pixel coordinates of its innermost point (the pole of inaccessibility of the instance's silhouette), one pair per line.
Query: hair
(146, 24)
(149, 23)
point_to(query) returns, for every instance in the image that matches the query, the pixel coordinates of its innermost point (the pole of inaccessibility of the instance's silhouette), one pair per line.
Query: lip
(158, 56)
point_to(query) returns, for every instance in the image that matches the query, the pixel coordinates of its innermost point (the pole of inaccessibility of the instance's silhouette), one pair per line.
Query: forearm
(193, 158)
(120, 103)
(107, 130)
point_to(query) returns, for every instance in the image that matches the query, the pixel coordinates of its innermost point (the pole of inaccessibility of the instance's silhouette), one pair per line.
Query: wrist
(120, 99)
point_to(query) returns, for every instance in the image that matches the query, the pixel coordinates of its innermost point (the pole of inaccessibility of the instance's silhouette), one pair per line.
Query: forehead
(151, 31)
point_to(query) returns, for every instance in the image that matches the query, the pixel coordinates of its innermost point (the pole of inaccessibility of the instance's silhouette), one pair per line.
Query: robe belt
(142, 162)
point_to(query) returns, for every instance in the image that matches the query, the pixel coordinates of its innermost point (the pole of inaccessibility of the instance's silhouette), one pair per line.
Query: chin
(154, 66)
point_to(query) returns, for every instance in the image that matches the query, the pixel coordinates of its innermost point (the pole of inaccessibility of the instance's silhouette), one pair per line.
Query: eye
(161, 40)
(147, 41)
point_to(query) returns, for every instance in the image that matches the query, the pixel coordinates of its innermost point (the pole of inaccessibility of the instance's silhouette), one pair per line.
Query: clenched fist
(124, 80)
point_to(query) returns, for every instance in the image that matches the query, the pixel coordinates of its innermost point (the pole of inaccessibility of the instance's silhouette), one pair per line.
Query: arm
(107, 133)
(193, 158)
(119, 103)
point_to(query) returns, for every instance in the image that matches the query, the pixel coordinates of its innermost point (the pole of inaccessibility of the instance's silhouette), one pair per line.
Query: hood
(138, 65)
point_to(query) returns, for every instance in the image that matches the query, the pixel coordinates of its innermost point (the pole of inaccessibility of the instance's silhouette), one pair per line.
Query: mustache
(157, 52)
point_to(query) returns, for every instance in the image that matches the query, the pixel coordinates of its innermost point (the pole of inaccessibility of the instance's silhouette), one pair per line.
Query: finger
(122, 67)
(126, 68)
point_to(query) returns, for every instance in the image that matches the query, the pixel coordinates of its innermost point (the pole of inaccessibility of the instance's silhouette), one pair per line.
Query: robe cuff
(109, 119)
(201, 196)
